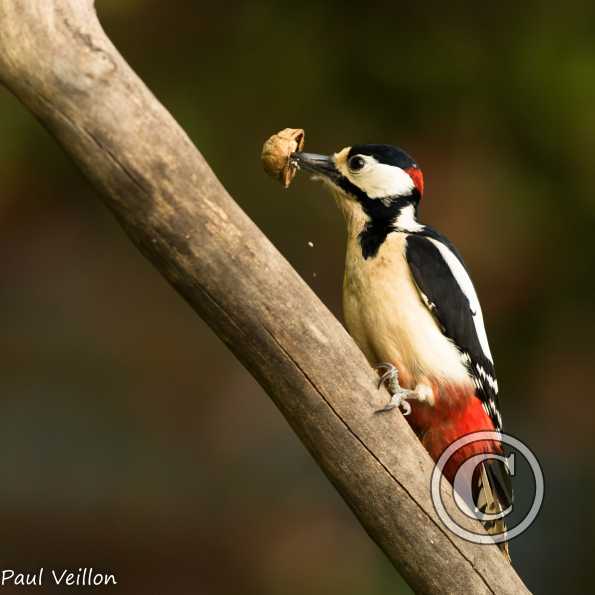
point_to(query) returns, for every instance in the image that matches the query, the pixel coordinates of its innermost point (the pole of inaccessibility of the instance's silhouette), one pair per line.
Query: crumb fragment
(311, 244)
(276, 152)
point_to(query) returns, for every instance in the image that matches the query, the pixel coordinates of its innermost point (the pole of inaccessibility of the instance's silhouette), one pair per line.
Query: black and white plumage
(443, 281)
(408, 300)
(389, 200)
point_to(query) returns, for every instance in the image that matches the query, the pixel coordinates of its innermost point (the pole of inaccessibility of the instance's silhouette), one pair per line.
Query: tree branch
(57, 60)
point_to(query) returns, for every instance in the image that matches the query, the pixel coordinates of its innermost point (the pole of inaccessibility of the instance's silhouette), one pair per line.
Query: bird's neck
(369, 221)
(400, 214)
(406, 219)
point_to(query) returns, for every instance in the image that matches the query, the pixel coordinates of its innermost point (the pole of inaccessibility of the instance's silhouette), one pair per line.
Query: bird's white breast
(386, 316)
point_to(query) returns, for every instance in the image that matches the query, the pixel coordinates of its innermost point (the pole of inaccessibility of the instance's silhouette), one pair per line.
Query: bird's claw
(391, 376)
(399, 399)
(398, 394)
(388, 375)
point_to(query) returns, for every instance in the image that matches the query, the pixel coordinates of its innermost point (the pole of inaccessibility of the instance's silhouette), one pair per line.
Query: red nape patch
(456, 412)
(418, 178)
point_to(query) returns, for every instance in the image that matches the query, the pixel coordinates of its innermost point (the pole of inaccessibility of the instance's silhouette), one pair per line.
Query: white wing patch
(462, 278)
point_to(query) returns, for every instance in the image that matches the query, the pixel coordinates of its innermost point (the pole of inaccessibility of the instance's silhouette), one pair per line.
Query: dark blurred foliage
(132, 440)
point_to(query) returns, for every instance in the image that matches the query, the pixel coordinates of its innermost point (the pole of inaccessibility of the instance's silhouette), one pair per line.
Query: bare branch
(56, 58)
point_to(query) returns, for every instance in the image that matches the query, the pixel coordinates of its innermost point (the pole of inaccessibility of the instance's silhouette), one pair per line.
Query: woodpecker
(410, 305)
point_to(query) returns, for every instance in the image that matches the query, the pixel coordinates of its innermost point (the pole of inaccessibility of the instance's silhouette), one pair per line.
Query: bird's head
(373, 184)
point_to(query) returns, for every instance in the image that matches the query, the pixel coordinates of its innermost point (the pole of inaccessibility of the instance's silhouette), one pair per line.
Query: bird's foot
(398, 394)
(399, 399)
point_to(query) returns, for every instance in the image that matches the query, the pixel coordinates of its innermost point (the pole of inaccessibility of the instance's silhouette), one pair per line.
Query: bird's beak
(319, 165)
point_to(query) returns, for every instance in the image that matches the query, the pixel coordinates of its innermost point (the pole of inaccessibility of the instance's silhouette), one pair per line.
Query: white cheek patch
(379, 180)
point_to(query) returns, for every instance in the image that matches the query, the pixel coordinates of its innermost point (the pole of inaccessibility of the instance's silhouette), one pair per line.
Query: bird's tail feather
(493, 495)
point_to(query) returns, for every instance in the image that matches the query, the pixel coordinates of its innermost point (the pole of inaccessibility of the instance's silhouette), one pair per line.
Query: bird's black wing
(448, 298)
(447, 291)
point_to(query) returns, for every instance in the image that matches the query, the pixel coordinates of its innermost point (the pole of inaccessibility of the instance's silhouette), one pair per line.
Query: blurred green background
(131, 440)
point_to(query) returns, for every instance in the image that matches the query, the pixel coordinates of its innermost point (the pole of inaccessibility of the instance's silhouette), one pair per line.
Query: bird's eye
(356, 163)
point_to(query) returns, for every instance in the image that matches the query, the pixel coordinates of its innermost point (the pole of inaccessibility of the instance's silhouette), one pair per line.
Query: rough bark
(55, 57)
